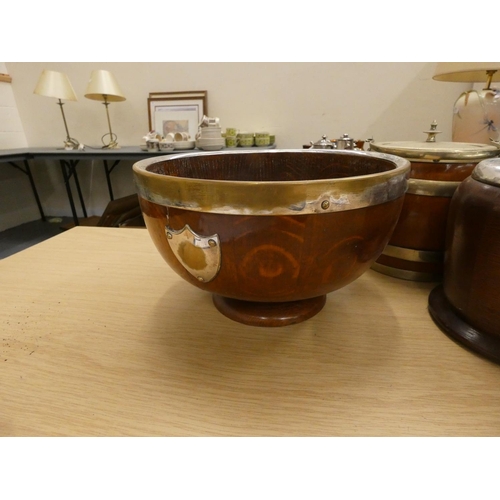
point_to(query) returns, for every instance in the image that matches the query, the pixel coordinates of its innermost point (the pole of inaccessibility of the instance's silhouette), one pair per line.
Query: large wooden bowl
(269, 233)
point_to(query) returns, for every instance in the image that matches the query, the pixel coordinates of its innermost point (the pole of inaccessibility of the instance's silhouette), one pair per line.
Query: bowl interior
(272, 166)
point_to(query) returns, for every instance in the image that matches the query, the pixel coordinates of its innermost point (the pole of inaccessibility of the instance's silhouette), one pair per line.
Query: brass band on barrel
(406, 274)
(425, 187)
(408, 263)
(413, 255)
(417, 265)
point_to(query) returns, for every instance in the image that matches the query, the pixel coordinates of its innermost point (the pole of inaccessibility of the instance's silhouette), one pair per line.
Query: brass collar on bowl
(272, 197)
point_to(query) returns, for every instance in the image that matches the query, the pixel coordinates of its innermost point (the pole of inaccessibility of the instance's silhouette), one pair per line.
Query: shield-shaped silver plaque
(200, 255)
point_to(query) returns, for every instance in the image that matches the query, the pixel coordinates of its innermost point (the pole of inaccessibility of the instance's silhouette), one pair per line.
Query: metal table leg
(108, 171)
(68, 168)
(27, 171)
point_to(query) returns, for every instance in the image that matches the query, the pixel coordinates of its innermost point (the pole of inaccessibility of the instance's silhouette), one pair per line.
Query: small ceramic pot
(231, 132)
(153, 145)
(246, 139)
(231, 141)
(166, 145)
(262, 139)
(181, 136)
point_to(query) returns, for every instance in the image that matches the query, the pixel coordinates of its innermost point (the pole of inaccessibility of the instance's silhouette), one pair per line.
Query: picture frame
(176, 111)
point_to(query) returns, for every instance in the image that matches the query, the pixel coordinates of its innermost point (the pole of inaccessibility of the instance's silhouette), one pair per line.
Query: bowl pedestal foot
(269, 314)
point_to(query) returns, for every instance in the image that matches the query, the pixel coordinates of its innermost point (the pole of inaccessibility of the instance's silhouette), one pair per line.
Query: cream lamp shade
(476, 114)
(467, 72)
(55, 84)
(103, 86)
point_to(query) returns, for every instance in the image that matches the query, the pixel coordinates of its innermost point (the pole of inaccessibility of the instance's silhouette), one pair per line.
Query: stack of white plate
(211, 144)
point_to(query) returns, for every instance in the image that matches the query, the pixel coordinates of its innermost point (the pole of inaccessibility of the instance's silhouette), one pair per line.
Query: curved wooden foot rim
(269, 313)
(444, 315)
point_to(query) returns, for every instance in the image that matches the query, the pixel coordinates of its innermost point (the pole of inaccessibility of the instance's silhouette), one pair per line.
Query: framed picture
(176, 111)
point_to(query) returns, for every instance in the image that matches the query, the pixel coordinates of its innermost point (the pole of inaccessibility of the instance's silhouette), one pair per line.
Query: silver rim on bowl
(272, 197)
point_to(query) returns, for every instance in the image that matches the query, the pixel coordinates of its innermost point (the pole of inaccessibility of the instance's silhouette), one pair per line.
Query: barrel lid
(436, 151)
(488, 171)
(430, 150)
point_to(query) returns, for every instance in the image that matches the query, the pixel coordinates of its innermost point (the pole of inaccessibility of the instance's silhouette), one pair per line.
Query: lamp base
(112, 144)
(476, 117)
(71, 144)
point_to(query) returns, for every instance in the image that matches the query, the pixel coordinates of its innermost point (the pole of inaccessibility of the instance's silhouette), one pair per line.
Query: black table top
(124, 152)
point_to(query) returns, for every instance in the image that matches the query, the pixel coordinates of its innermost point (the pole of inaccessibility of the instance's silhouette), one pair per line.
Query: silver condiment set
(344, 142)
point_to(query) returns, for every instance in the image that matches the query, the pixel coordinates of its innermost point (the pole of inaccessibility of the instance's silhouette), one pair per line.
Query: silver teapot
(323, 143)
(344, 142)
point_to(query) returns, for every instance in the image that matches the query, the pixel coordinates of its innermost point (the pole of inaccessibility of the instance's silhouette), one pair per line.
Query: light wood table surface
(100, 337)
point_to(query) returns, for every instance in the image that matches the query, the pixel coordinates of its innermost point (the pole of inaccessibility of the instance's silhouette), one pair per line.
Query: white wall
(16, 199)
(11, 129)
(298, 102)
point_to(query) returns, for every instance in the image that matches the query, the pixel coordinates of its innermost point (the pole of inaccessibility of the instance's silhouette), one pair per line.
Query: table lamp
(103, 87)
(476, 114)
(55, 84)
